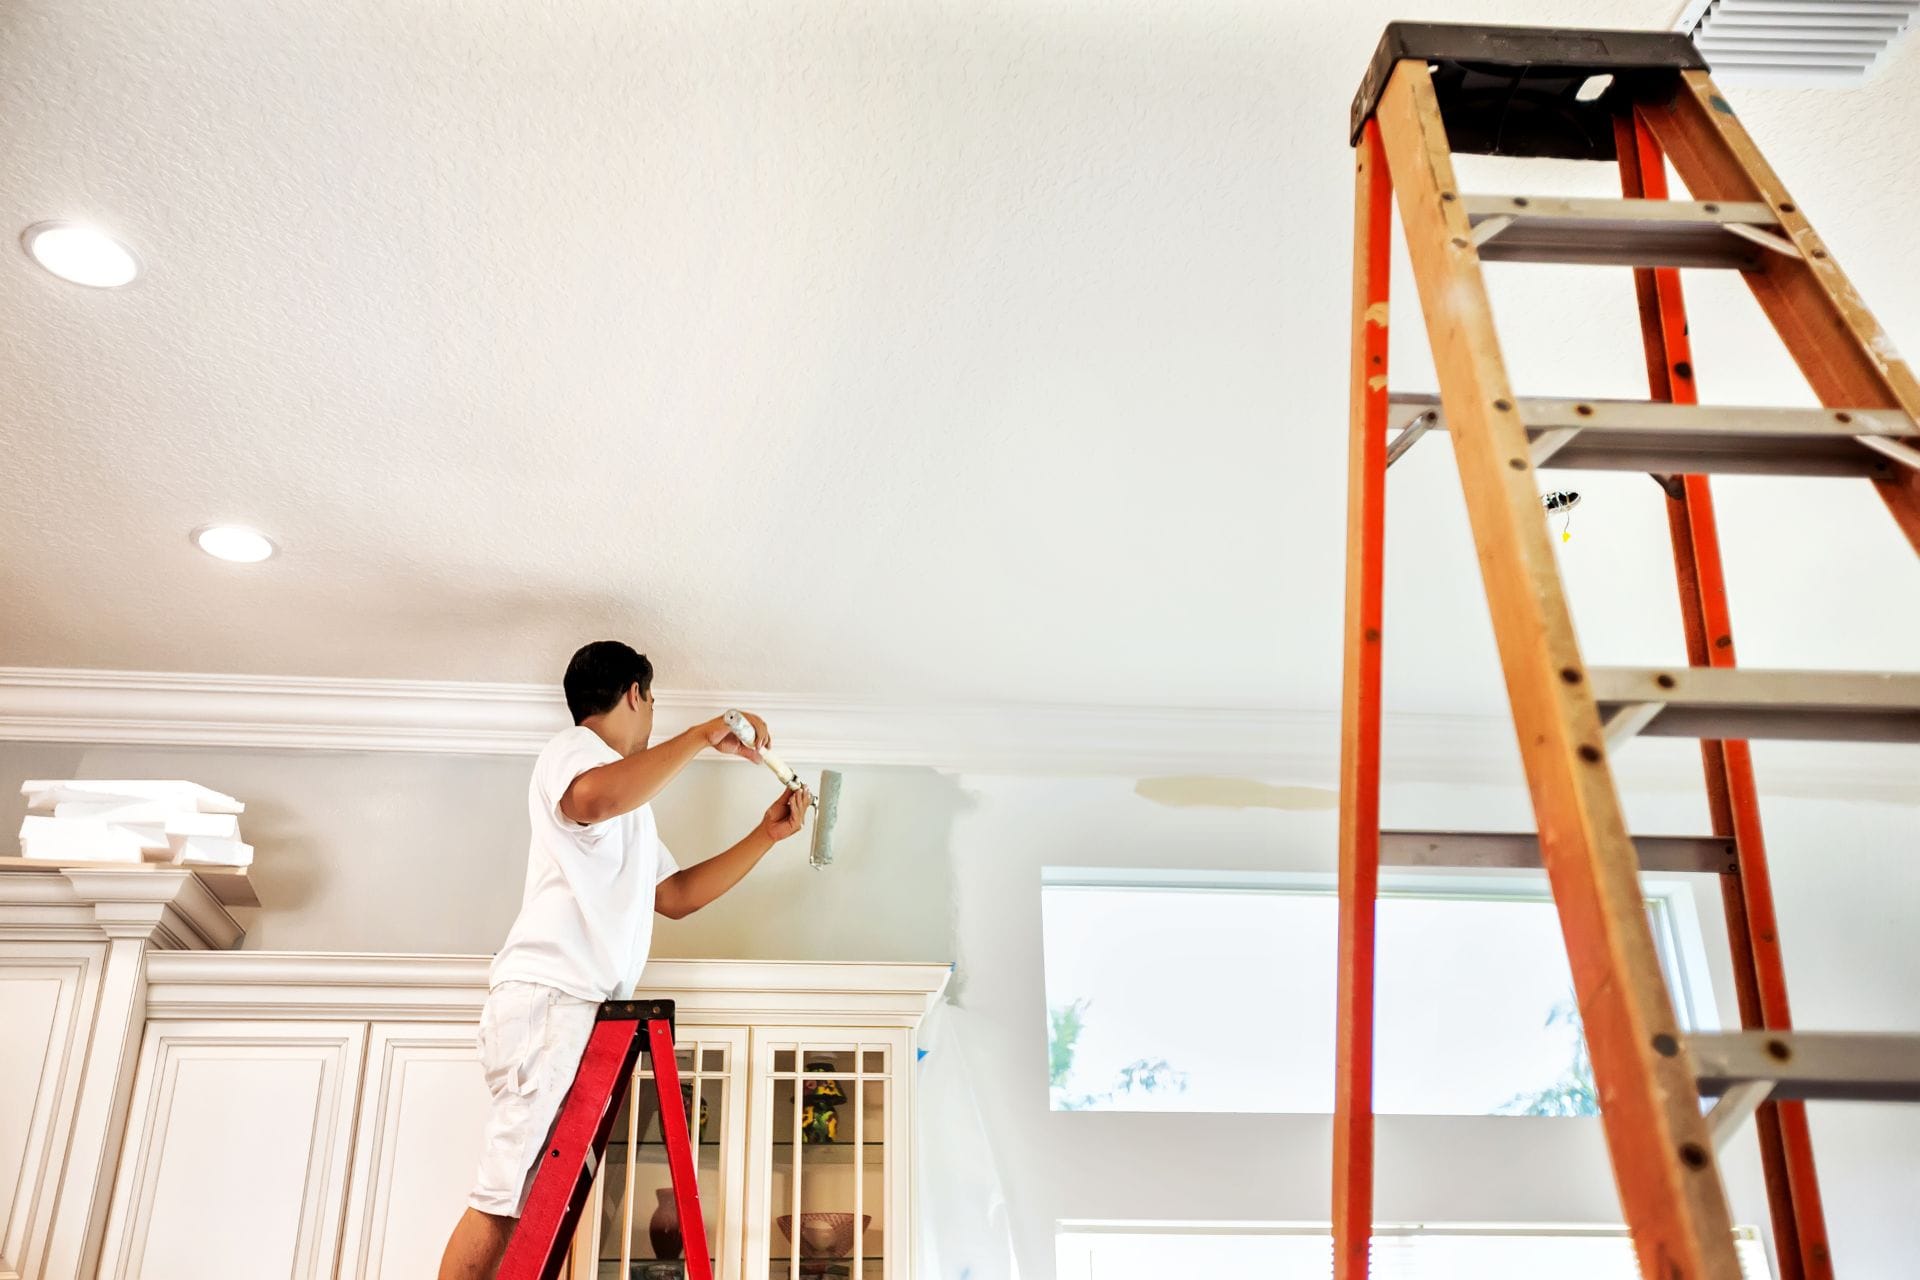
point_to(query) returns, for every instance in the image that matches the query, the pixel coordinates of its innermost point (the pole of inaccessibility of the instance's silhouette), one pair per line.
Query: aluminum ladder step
(1735, 235)
(1680, 439)
(1745, 702)
(1854, 1066)
(1501, 850)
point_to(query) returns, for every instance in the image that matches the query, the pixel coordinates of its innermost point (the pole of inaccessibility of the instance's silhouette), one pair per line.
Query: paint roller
(826, 804)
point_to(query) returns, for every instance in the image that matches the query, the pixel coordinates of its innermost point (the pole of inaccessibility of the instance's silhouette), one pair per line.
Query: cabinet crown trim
(442, 987)
(164, 906)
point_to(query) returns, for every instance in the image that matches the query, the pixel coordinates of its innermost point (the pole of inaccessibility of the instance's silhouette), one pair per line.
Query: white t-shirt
(586, 919)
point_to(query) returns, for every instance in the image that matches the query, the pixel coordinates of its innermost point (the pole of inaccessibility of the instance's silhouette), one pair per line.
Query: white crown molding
(157, 708)
(136, 708)
(44, 704)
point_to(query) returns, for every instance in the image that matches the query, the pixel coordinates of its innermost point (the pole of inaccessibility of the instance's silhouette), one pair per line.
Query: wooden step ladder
(1639, 99)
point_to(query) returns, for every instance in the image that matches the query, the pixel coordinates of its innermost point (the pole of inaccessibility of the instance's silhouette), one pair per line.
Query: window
(1149, 1251)
(1198, 995)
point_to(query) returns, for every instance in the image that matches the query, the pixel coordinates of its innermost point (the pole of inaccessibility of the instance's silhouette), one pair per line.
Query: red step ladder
(621, 1032)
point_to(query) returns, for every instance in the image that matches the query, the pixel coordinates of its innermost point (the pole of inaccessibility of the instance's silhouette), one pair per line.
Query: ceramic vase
(663, 1228)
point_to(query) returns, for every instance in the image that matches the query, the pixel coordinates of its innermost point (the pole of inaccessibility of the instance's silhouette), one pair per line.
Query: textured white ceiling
(916, 350)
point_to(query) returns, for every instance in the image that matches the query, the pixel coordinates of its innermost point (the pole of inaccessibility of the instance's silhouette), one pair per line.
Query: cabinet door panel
(46, 997)
(828, 1137)
(415, 1148)
(627, 1210)
(235, 1160)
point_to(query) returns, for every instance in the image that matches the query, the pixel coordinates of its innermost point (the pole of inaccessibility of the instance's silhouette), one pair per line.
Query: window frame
(1070, 1231)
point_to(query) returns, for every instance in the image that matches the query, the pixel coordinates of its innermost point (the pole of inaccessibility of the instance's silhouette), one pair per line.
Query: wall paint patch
(1234, 793)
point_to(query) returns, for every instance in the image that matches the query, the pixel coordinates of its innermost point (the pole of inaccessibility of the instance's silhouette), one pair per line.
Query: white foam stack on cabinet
(132, 821)
(1796, 43)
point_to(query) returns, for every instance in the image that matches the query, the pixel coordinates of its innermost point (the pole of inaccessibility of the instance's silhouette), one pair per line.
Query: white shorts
(531, 1039)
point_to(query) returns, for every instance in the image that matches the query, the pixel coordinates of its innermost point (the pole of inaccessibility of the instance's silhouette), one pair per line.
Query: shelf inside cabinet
(814, 1155)
(648, 1268)
(639, 1253)
(826, 1268)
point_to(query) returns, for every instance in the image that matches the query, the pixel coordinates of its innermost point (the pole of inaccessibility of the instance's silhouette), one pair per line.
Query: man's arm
(623, 786)
(687, 890)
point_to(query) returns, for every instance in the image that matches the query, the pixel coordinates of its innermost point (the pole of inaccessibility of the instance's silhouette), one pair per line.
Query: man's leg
(531, 1039)
(474, 1252)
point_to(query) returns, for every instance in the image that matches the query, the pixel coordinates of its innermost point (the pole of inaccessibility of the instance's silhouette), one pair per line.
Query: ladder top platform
(1513, 91)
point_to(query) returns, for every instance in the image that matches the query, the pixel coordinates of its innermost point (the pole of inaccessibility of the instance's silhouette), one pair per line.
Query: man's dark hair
(600, 675)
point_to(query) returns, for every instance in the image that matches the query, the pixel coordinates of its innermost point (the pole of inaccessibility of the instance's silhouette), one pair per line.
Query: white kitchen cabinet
(47, 992)
(252, 1115)
(805, 1141)
(829, 1138)
(422, 1104)
(73, 948)
(617, 1229)
(236, 1153)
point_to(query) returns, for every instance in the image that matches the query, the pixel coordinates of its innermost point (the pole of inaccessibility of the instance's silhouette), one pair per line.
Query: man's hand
(787, 814)
(721, 738)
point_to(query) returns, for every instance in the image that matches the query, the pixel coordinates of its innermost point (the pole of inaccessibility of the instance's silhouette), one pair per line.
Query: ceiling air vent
(1796, 43)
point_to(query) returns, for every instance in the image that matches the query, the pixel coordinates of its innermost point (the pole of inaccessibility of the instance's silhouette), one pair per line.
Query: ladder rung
(1854, 1066)
(1625, 233)
(1684, 439)
(1744, 702)
(1501, 849)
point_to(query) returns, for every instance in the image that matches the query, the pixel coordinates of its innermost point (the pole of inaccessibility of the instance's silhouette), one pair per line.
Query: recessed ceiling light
(84, 255)
(233, 542)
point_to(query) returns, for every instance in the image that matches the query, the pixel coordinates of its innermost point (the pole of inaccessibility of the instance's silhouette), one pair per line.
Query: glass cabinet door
(827, 1132)
(630, 1229)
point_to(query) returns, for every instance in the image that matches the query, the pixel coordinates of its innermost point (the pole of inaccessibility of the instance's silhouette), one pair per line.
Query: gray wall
(354, 852)
(395, 852)
(419, 853)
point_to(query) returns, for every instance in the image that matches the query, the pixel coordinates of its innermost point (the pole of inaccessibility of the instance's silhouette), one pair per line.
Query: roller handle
(742, 728)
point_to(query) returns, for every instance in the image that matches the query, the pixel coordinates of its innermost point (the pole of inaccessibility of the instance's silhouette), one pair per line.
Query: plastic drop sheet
(963, 1229)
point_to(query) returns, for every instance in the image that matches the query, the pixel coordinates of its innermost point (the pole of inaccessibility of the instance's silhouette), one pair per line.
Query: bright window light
(84, 255)
(1148, 987)
(233, 542)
